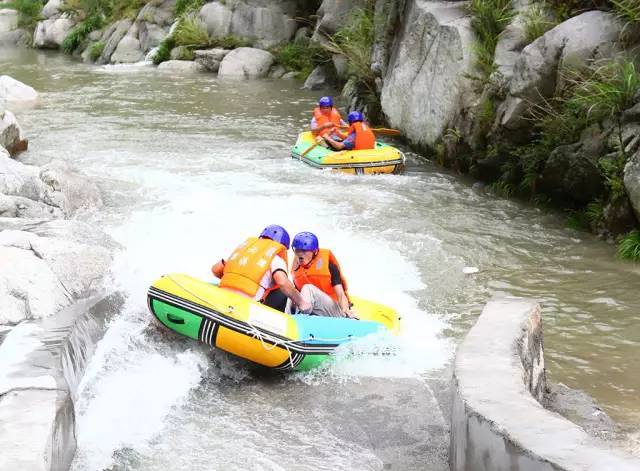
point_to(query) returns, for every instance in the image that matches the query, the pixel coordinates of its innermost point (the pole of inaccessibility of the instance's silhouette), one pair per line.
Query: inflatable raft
(253, 331)
(382, 159)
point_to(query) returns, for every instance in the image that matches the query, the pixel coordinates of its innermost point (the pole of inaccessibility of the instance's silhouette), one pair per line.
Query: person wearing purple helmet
(326, 119)
(359, 136)
(257, 269)
(319, 278)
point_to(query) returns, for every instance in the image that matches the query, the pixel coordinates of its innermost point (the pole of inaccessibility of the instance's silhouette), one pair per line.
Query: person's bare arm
(218, 269)
(291, 292)
(343, 301)
(335, 144)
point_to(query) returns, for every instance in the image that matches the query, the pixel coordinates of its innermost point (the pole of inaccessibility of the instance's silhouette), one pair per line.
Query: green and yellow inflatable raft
(382, 159)
(255, 332)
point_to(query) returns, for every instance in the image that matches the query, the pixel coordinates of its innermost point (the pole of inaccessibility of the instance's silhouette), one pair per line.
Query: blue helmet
(277, 234)
(305, 241)
(354, 117)
(325, 101)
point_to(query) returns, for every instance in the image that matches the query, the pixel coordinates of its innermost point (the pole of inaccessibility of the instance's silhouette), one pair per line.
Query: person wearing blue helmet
(257, 269)
(359, 135)
(326, 119)
(319, 278)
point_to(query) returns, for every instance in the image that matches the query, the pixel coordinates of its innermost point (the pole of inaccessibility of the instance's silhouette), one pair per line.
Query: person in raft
(327, 120)
(257, 268)
(359, 135)
(318, 277)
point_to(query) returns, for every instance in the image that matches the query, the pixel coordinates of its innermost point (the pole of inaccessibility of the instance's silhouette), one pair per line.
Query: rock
(20, 207)
(247, 63)
(277, 72)
(128, 49)
(157, 12)
(290, 76)
(11, 138)
(332, 15)
(210, 58)
(265, 23)
(321, 77)
(55, 185)
(181, 66)
(510, 44)
(150, 35)
(8, 20)
(302, 35)
(16, 37)
(572, 173)
(51, 33)
(618, 216)
(45, 274)
(180, 53)
(572, 45)
(426, 86)
(341, 65)
(632, 182)
(113, 36)
(14, 91)
(52, 8)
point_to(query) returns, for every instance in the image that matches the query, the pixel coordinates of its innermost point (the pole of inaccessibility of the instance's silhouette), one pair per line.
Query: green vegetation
(300, 57)
(185, 6)
(629, 247)
(537, 21)
(80, 32)
(191, 32)
(96, 50)
(489, 19)
(164, 50)
(29, 10)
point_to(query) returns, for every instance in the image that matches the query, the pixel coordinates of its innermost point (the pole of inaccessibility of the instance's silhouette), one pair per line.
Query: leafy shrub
(30, 11)
(96, 50)
(537, 22)
(184, 6)
(629, 247)
(164, 50)
(80, 32)
(296, 57)
(489, 19)
(191, 32)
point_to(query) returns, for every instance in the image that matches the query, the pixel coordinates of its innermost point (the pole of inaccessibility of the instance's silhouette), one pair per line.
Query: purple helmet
(325, 101)
(305, 241)
(354, 117)
(277, 234)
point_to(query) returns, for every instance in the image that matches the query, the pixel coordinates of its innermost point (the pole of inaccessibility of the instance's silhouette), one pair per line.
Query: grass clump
(185, 6)
(629, 247)
(164, 50)
(297, 57)
(537, 21)
(489, 19)
(29, 11)
(191, 32)
(80, 32)
(95, 51)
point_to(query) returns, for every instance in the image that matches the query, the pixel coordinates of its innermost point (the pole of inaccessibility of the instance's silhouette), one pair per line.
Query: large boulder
(52, 32)
(247, 63)
(266, 23)
(112, 37)
(159, 12)
(56, 185)
(151, 35)
(572, 45)
(11, 138)
(632, 182)
(52, 8)
(210, 58)
(426, 85)
(129, 49)
(321, 77)
(13, 91)
(333, 14)
(46, 271)
(8, 20)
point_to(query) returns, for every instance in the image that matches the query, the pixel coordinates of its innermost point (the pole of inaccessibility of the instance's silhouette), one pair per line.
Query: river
(190, 165)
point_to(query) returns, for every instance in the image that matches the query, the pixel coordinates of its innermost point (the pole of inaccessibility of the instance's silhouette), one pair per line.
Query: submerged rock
(247, 63)
(181, 66)
(15, 92)
(210, 58)
(11, 138)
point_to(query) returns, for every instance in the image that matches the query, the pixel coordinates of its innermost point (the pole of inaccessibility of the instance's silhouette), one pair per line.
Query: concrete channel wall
(497, 421)
(41, 364)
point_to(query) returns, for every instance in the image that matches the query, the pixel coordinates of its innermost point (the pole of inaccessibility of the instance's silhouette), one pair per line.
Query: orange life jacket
(246, 266)
(322, 118)
(365, 138)
(317, 273)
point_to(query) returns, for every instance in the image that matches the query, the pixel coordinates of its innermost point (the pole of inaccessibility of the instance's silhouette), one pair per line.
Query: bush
(95, 51)
(537, 22)
(184, 6)
(489, 19)
(629, 247)
(79, 33)
(164, 50)
(191, 32)
(30, 11)
(295, 57)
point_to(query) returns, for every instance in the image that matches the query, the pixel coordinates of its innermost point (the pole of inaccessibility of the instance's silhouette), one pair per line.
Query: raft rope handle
(254, 332)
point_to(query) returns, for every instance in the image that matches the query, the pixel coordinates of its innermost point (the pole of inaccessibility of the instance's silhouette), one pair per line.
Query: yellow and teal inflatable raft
(382, 159)
(255, 332)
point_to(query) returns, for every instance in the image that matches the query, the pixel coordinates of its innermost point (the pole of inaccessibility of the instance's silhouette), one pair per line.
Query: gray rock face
(571, 45)
(321, 77)
(11, 138)
(8, 20)
(16, 37)
(55, 185)
(52, 8)
(266, 23)
(632, 182)
(332, 15)
(50, 33)
(158, 12)
(112, 38)
(128, 49)
(210, 58)
(246, 63)
(151, 35)
(425, 86)
(176, 66)
(13, 91)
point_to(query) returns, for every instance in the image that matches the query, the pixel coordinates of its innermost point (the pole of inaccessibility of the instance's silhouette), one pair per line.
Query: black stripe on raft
(239, 326)
(291, 363)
